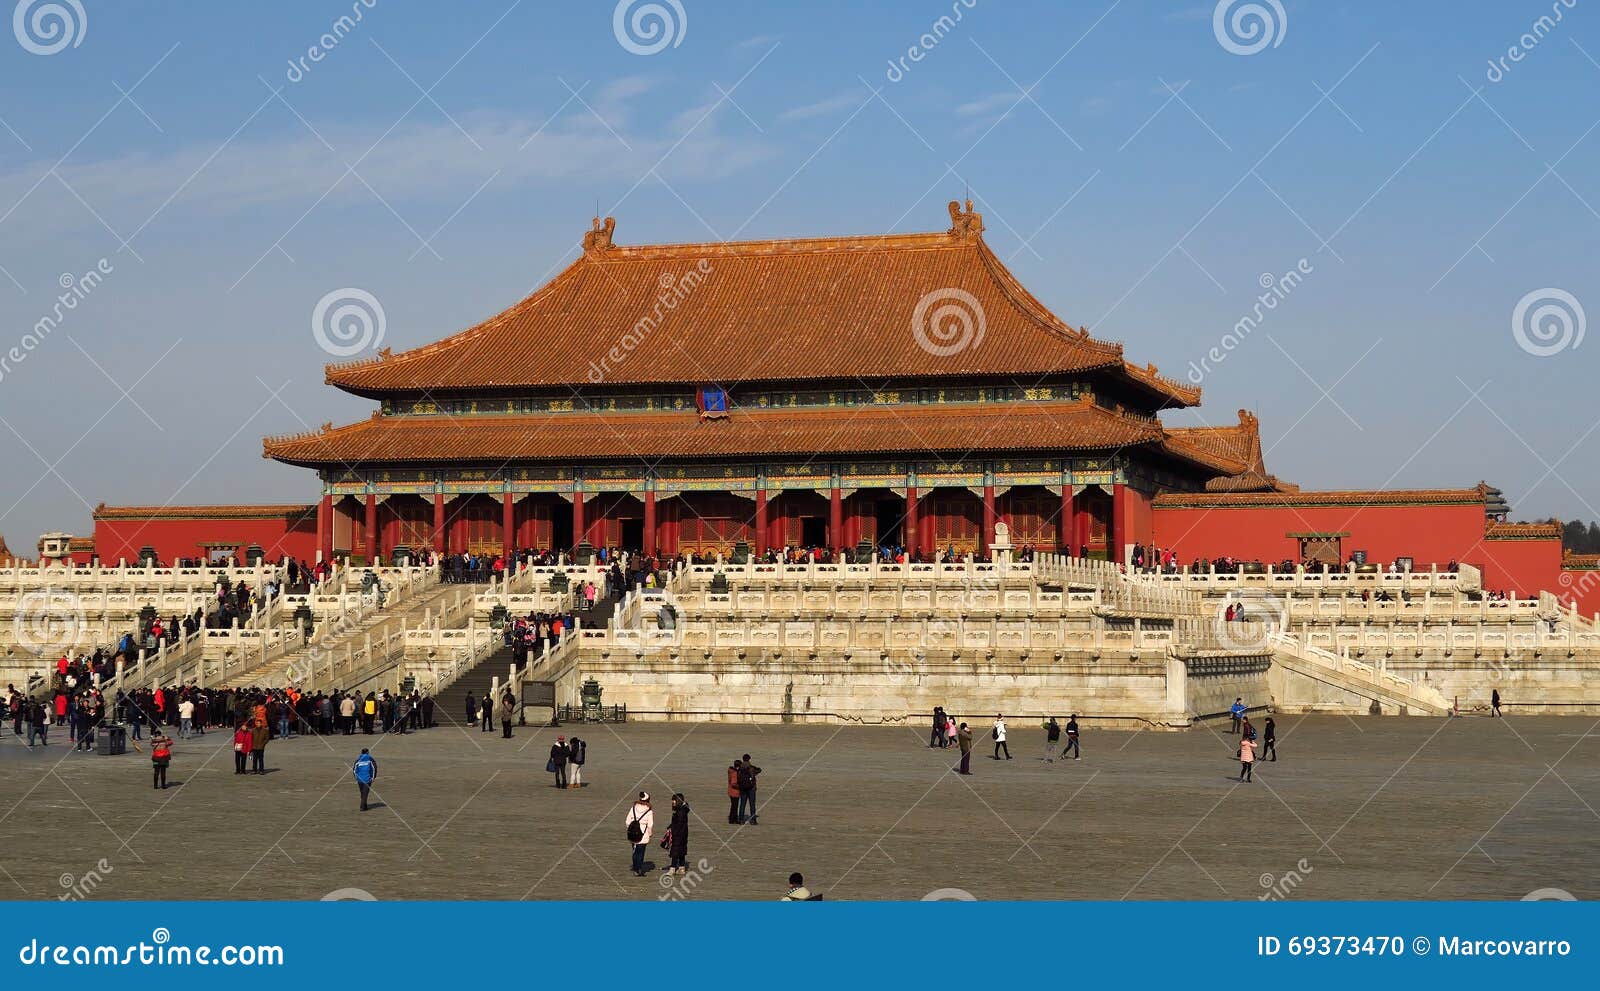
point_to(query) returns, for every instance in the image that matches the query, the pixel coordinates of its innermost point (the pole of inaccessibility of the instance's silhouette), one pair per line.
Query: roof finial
(599, 237)
(964, 223)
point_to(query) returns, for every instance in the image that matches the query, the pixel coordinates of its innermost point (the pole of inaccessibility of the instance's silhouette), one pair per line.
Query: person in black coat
(678, 836)
(558, 760)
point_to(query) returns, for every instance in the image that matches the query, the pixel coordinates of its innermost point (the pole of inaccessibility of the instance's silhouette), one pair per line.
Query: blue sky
(1138, 175)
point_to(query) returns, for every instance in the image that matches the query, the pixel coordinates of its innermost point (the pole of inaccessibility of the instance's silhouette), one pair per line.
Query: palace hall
(904, 390)
(898, 390)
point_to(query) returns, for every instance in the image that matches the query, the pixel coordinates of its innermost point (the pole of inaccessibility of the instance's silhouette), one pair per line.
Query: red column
(761, 521)
(1119, 522)
(1066, 524)
(325, 526)
(438, 522)
(988, 518)
(577, 518)
(649, 538)
(508, 524)
(836, 518)
(908, 528)
(372, 527)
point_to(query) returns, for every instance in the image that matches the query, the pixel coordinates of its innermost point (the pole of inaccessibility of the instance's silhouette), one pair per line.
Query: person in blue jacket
(366, 772)
(1237, 712)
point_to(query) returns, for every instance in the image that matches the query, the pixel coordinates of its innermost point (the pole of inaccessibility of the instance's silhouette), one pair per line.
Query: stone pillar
(325, 527)
(438, 521)
(649, 538)
(761, 517)
(508, 522)
(372, 547)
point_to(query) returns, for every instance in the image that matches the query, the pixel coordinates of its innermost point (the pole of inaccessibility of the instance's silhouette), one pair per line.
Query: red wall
(1428, 534)
(1526, 567)
(172, 538)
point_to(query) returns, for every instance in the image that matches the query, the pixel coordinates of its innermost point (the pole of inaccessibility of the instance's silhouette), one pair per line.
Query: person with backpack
(577, 753)
(733, 793)
(366, 772)
(160, 757)
(1052, 738)
(677, 839)
(559, 754)
(998, 734)
(641, 819)
(747, 790)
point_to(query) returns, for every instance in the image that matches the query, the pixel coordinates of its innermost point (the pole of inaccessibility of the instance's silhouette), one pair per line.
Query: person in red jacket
(242, 739)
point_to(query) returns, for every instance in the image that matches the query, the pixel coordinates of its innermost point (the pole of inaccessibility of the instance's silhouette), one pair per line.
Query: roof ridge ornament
(965, 224)
(598, 239)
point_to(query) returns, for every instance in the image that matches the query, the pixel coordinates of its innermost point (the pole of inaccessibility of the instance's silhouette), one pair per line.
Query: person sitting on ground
(798, 892)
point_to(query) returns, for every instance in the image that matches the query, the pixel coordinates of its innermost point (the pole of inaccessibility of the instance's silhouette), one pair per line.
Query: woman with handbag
(557, 764)
(676, 841)
(241, 747)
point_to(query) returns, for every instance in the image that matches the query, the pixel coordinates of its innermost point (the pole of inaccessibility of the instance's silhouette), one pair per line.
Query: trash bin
(111, 739)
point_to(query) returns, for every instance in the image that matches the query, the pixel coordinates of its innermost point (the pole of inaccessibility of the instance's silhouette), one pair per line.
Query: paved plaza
(1383, 808)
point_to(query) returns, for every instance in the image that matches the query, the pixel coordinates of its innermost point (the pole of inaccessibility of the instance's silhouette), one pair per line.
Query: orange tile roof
(1573, 561)
(1355, 498)
(764, 311)
(104, 512)
(1550, 530)
(866, 430)
(1240, 442)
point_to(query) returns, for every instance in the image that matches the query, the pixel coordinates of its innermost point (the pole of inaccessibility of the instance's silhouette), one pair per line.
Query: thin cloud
(822, 108)
(988, 104)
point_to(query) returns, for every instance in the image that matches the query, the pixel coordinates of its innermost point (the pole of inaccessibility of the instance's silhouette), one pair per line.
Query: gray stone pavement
(1384, 808)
